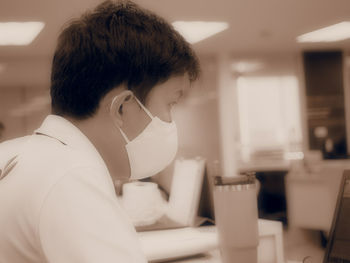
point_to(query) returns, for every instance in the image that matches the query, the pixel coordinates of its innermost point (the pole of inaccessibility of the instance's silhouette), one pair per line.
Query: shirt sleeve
(81, 221)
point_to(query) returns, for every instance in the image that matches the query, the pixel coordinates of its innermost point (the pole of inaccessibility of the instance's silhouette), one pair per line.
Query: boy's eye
(178, 97)
(172, 103)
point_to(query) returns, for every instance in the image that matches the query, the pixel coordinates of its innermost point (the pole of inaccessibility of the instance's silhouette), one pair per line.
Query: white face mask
(153, 149)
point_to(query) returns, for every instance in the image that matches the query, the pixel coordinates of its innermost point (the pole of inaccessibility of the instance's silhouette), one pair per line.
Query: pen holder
(236, 218)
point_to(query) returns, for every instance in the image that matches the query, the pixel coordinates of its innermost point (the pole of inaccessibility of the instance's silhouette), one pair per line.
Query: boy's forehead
(172, 85)
(177, 82)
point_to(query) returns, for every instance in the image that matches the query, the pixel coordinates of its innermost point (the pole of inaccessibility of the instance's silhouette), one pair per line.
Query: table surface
(267, 229)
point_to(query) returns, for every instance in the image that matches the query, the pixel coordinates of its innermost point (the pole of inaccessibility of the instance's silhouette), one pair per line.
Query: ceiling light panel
(195, 31)
(333, 33)
(246, 66)
(19, 33)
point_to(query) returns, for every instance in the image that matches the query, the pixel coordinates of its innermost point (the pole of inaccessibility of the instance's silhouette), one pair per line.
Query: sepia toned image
(192, 131)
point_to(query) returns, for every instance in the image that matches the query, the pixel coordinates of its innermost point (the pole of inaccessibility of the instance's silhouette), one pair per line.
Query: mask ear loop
(124, 135)
(144, 108)
(120, 129)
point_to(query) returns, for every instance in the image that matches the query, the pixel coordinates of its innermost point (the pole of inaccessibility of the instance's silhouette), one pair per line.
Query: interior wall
(22, 109)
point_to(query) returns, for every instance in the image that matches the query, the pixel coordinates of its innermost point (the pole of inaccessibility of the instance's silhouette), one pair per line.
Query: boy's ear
(116, 110)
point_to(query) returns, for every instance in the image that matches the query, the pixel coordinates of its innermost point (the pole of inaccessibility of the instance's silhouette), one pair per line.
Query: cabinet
(312, 196)
(324, 84)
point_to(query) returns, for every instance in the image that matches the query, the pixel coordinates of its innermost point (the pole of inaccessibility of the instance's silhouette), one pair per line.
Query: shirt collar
(64, 131)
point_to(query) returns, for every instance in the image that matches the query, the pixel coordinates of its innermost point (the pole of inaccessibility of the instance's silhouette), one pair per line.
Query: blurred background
(272, 98)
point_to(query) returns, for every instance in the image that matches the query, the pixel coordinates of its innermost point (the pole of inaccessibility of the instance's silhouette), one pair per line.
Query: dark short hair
(116, 43)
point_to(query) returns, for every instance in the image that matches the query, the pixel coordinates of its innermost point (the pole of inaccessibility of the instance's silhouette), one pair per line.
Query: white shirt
(58, 203)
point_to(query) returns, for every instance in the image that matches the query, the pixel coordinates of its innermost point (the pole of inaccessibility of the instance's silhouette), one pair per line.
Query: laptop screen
(338, 250)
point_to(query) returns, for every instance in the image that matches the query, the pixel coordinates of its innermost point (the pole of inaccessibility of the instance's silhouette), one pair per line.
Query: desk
(155, 245)
(210, 257)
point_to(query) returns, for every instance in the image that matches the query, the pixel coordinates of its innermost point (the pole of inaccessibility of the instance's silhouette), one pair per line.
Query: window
(269, 115)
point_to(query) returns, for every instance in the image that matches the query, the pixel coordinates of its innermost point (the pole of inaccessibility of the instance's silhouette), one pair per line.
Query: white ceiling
(256, 26)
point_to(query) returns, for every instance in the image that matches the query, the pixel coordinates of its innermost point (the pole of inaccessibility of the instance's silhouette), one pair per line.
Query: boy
(116, 73)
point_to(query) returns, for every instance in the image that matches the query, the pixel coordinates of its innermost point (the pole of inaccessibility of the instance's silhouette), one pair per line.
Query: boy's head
(118, 43)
